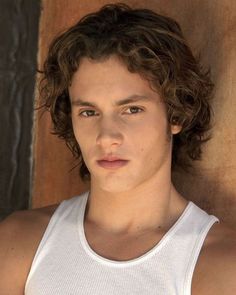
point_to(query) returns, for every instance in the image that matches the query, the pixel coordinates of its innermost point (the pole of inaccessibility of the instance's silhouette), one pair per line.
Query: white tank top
(65, 264)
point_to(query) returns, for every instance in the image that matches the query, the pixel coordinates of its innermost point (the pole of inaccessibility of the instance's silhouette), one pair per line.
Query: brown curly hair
(149, 44)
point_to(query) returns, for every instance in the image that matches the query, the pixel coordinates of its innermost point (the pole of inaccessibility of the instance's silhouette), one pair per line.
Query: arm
(216, 267)
(13, 256)
(20, 235)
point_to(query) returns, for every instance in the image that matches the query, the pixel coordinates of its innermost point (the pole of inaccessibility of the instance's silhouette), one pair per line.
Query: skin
(136, 204)
(136, 197)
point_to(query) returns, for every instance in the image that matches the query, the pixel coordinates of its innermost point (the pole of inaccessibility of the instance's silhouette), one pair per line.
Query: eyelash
(134, 107)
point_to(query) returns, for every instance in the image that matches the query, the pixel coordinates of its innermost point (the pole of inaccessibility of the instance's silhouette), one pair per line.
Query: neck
(154, 206)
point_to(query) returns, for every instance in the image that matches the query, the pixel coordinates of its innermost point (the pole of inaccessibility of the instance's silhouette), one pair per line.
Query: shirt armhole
(49, 228)
(195, 254)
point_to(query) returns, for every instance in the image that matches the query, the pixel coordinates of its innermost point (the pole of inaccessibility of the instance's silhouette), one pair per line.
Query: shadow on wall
(210, 28)
(209, 194)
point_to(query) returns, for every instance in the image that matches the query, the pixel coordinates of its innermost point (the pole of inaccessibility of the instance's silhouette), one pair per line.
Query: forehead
(108, 77)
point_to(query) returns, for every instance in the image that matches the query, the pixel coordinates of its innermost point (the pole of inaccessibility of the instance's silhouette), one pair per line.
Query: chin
(114, 188)
(113, 185)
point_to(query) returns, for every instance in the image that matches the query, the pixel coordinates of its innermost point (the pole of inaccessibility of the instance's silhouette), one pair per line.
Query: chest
(164, 273)
(123, 248)
(120, 247)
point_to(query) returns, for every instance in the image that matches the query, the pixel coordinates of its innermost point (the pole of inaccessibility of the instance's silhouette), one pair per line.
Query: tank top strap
(66, 213)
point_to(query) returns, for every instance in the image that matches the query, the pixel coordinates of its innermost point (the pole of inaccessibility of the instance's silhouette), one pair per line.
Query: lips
(111, 158)
(112, 162)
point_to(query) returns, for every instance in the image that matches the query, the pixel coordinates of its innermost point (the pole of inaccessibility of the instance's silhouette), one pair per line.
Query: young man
(131, 101)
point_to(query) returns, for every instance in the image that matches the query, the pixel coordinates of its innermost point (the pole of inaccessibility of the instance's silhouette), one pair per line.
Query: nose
(108, 135)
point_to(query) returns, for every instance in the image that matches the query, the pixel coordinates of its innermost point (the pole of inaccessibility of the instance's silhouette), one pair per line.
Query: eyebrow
(129, 99)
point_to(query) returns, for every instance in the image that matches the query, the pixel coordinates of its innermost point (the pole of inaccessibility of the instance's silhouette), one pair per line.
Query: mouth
(112, 164)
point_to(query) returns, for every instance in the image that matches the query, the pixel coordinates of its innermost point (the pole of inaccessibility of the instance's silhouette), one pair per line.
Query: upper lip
(110, 158)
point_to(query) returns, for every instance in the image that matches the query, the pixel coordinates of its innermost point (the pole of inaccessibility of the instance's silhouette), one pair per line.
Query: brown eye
(135, 110)
(90, 113)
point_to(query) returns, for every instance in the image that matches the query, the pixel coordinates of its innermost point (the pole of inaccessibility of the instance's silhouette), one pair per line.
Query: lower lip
(112, 164)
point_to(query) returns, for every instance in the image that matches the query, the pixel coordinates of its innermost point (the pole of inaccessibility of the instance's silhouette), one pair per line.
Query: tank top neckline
(154, 250)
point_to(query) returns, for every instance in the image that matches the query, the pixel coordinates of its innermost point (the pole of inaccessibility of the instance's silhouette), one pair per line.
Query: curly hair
(149, 44)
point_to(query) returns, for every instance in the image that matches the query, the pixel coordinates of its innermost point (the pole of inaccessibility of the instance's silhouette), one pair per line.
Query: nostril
(107, 139)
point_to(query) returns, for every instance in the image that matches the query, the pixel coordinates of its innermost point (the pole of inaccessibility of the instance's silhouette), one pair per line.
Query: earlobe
(175, 129)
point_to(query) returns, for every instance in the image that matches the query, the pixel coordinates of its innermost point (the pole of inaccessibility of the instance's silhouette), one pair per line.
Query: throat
(120, 247)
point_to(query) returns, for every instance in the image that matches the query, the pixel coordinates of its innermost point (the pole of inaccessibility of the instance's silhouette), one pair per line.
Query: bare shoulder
(20, 235)
(215, 270)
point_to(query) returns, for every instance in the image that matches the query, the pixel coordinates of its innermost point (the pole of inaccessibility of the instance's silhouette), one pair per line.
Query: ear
(175, 129)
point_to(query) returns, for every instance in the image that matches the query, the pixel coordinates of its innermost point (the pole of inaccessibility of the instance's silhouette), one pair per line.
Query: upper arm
(215, 270)
(223, 265)
(12, 255)
(228, 265)
(20, 235)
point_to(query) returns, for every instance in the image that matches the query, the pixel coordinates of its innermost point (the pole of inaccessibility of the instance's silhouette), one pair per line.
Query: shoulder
(215, 270)
(26, 222)
(20, 235)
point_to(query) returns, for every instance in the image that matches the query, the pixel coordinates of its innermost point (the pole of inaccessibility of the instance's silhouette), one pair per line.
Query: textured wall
(18, 50)
(210, 28)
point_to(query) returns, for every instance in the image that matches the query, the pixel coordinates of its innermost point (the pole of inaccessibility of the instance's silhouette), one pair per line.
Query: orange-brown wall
(209, 27)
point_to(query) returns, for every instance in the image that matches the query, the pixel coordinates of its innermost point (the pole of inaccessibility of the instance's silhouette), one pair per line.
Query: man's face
(137, 131)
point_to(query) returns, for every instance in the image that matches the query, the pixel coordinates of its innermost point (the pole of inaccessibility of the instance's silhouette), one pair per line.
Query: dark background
(19, 22)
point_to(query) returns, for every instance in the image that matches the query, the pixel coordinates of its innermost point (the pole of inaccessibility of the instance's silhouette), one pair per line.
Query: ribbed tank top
(65, 264)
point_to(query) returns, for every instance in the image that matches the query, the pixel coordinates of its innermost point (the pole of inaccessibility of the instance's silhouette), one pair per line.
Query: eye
(90, 113)
(135, 110)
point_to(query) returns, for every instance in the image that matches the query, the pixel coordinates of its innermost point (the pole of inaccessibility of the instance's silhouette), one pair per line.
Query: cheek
(79, 128)
(153, 139)
(75, 129)
(85, 139)
(79, 133)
